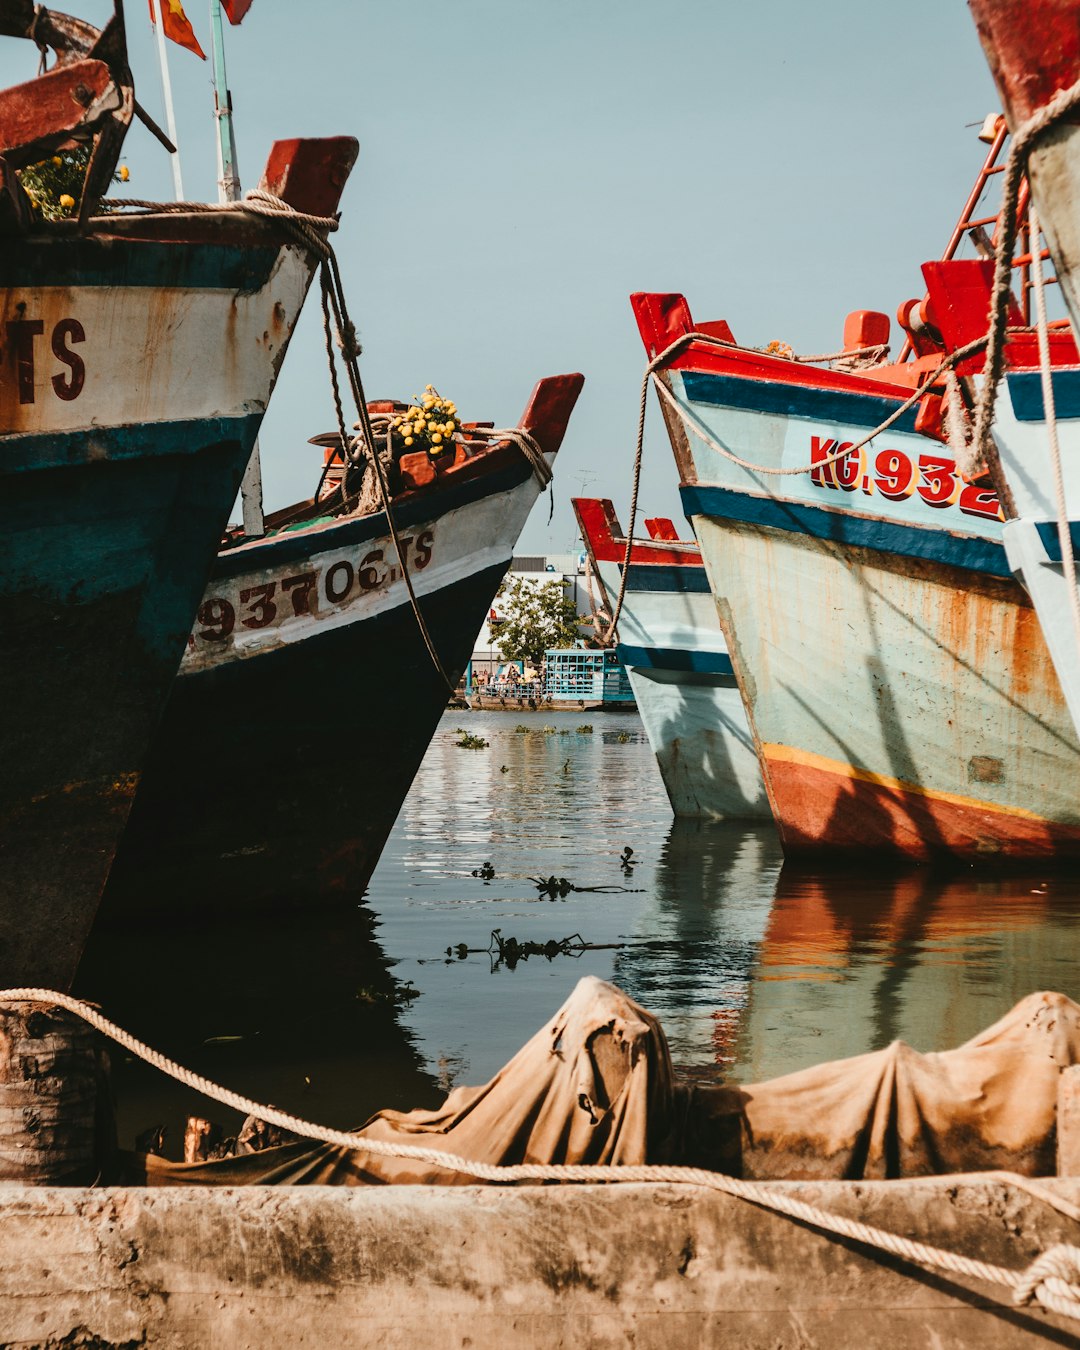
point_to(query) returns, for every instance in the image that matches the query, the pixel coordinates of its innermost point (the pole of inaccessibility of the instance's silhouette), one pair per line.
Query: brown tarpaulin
(596, 1085)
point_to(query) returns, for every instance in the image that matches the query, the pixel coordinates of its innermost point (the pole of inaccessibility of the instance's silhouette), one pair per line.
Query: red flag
(235, 9)
(175, 24)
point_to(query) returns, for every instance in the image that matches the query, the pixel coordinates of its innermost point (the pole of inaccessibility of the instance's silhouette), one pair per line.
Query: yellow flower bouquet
(430, 424)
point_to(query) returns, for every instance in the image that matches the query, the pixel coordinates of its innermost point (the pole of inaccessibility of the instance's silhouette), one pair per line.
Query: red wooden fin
(600, 529)
(549, 409)
(717, 328)
(661, 318)
(310, 174)
(660, 527)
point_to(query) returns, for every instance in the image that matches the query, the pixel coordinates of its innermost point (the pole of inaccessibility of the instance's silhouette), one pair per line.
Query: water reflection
(849, 963)
(755, 968)
(302, 1012)
(712, 896)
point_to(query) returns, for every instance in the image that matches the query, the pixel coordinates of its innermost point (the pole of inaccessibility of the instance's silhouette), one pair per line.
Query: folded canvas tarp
(596, 1085)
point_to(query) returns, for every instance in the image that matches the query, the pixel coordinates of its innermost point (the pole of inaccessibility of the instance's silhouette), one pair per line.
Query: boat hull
(685, 689)
(901, 706)
(322, 697)
(136, 373)
(111, 571)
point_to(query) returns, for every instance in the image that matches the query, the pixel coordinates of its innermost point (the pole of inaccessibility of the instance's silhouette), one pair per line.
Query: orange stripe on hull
(824, 806)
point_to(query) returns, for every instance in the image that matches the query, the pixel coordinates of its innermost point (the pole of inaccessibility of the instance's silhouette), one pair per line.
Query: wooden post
(1068, 1122)
(56, 1120)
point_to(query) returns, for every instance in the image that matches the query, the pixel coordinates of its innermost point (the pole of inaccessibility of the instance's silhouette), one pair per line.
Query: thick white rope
(1024, 139)
(1050, 415)
(1053, 1279)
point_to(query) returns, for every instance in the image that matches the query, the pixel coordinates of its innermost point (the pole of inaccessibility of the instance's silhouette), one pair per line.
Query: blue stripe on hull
(1025, 390)
(671, 579)
(792, 400)
(148, 440)
(28, 265)
(1048, 534)
(884, 536)
(675, 658)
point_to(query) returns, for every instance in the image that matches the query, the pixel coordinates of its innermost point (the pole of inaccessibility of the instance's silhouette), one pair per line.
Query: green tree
(534, 618)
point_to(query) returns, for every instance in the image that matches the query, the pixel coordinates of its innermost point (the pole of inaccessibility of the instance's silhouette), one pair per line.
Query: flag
(175, 24)
(235, 9)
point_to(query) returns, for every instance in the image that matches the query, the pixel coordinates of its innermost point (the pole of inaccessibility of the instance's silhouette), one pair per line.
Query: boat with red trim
(307, 697)
(1034, 54)
(893, 671)
(670, 643)
(139, 354)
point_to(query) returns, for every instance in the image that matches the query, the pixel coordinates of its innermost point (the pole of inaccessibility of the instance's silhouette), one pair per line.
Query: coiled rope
(1052, 1279)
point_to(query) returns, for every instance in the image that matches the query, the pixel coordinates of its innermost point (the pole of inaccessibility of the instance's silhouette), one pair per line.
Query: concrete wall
(653, 1267)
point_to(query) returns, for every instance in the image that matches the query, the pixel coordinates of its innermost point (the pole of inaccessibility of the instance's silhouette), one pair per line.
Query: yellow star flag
(176, 25)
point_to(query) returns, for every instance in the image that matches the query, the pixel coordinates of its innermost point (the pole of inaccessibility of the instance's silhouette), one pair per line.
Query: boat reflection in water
(709, 910)
(849, 963)
(302, 1012)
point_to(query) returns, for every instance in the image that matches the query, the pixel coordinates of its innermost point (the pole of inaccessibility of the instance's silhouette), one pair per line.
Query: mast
(228, 179)
(166, 89)
(251, 490)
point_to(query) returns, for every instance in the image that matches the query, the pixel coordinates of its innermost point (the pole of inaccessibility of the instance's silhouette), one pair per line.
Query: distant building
(538, 569)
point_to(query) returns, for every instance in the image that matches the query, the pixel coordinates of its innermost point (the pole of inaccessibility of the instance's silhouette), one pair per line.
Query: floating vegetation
(505, 768)
(470, 742)
(509, 951)
(401, 993)
(585, 729)
(522, 727)
(558, 888)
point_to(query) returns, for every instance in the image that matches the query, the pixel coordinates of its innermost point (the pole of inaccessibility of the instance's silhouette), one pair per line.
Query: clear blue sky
(526, 164)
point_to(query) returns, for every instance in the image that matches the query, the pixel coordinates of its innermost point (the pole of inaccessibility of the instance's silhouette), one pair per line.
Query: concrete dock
(655, 1267)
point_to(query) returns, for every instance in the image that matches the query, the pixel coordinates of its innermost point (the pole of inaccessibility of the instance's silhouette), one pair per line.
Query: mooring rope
(1063, 103)
(672, 350)
(1052, 1279)
(311, 231)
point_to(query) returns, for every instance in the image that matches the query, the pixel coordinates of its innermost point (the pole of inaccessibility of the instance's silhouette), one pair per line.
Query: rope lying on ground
(1052, 1279)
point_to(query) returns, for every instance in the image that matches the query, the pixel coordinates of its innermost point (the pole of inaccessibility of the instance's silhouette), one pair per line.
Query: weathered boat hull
(138, 364)
(676, 658)
(894, 675)
(900, 707)
(1034, 52)
(307, 697)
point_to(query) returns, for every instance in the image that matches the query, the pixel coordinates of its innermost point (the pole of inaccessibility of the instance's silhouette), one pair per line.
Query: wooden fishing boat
(670, 642)
(893, 671)
(308, 681)
(1034, 54)
(139, 355)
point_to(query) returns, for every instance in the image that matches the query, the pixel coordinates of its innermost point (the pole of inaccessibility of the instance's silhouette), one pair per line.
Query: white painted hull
(694, 718)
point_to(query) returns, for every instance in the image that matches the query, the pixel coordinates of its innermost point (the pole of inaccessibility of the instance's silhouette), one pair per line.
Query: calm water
(755, 969)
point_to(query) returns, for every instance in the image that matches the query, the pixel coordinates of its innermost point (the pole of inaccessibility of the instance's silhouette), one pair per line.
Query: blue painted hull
(130, 399)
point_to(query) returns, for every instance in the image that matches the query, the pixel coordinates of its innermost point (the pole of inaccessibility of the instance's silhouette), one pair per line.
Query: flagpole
(251, 488)
(228, 179)
(166, 88)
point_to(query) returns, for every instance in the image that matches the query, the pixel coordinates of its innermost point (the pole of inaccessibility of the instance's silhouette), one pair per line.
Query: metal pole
(166, 89)
(228, 180)
(251, 488)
